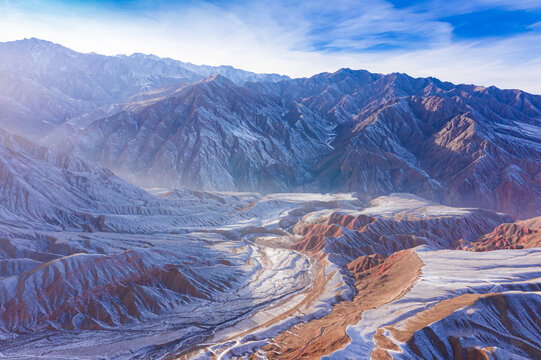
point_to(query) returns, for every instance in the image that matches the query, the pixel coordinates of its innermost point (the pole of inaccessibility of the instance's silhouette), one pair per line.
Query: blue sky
(478, 41)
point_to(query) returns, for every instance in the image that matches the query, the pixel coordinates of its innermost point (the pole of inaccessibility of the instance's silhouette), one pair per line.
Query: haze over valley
(152, 208)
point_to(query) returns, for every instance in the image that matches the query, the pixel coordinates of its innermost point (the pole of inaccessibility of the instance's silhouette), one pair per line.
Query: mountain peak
(217, 79)
(144, 56)
(35, 42)
(347, 73)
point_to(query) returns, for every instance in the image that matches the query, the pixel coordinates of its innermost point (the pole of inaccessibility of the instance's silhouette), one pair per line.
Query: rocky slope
(390, 224)
(461, 307)
(380, 250)
(315, 339)
(417, 303)
(496, 322)
(429, 304)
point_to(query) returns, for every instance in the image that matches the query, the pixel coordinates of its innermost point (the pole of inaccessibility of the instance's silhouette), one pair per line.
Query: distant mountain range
(45, 84)
(163, 123)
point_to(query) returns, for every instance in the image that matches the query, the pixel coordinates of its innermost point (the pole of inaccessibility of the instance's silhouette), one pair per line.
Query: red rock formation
(518, 235)
(345, 238)
(381, 284)
(91, 291)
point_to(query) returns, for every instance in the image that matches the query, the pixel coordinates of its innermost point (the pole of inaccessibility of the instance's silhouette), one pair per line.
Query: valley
(156, 209)
(201, 275)
(246, 286)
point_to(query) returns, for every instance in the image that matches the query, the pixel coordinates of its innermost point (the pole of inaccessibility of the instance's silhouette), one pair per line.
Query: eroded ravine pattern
(92, 265)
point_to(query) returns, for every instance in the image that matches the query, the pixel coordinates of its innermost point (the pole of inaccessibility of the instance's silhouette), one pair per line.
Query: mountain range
(164, 123)
(45, 84)
(151, 208)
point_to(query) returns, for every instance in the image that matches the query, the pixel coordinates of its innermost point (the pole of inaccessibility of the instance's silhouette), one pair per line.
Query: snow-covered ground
(397, 204)
(170, 279)
(91, 265)
(445, 275)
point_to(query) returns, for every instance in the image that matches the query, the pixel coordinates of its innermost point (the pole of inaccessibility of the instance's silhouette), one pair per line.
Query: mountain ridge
(350, 130)
(55, 84)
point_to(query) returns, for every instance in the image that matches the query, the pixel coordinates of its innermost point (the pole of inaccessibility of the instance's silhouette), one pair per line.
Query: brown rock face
(362, 264)
(518, 235)
(348, 239)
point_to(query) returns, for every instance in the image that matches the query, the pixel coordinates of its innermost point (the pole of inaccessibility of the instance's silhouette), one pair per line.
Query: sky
(484, 42)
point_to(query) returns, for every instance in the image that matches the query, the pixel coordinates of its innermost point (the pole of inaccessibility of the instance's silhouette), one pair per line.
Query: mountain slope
(523, 234)
(211, 135)
(41, 185)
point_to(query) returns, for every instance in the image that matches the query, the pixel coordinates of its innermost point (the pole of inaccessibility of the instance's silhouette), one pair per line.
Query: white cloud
(283, 38)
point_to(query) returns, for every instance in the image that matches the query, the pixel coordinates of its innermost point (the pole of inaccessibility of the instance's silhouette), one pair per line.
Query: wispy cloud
(452, 40)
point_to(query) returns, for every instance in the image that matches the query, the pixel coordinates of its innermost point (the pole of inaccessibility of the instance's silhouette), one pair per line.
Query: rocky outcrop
(373, 245)
(391, 224)
(523, 234)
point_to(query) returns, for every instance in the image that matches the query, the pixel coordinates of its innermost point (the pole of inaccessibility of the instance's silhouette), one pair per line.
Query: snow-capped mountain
(45, 84)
